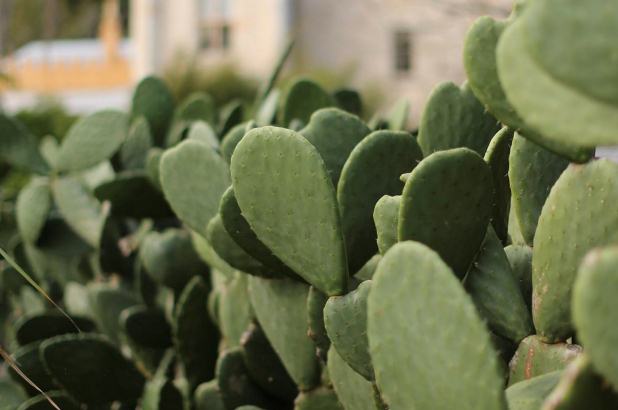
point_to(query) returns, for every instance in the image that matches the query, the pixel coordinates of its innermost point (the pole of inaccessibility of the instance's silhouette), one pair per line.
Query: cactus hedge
(291, 255)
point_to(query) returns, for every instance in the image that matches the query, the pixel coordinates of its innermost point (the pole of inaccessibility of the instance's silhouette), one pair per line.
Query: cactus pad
(302, 98)
(239, 230)
(32, 208)
(414, 354)
(195, 336)
(534, 358)
(235, 384)
(353, 390)
(454, 118)
(334, 133)
(153, 100)
(281, 309)
(92, 140)
(82, 212)
(497, 156)
(345, 318)
(532, 172)
(594, 301)
(452, 222)
(285, 193)
(530, 394)
(386, 220)
(265, 367)
(194, 177)
(539, 60)
(371, 171)
(72, 358)
(496, 292)
(576, 209)
(169, 258)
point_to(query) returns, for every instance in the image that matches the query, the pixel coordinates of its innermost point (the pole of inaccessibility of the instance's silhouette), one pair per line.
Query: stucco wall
(359, 34)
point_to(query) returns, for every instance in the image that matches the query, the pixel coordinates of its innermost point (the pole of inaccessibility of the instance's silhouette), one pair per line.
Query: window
(215, 24)
(403, 51)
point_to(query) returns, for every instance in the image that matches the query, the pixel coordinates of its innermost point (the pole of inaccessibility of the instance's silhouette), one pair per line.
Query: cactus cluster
(290, 255)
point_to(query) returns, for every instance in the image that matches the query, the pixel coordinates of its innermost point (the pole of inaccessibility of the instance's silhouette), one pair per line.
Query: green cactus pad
(106, 303)
(576, 209)
(454, 118)
(196, 107)
(203, 132)
(265, 367)
(154, 101)
(235, 384)
(520, 259)
(35, 328)
(534, 358)
(415, 354)
(397, 118)
(146, 327)
(594, 302)
(302, 98)
(234, 309)
(19, 147)
(161, 394)
(334, 133)
(239, 230)
(193, 190)
(321, 398)
(208, 397)
(225, 246)
(194, 177)
(539, 60)
(496, 292)
(32, 208)
(533, 170)
(230, 115)
(452, 222)
(345, 318)
(153, 160)
(285, 193)
(80, 209)
(530, 394)
(195, 336)
(132, 195)
(349, 100)
(230, 140)
(92, 140)
(169, 258)
(367, 271)
(266, 112)
(31, 364)
(497, 156)
(281, 309)
(481, 67)
(316, 301)
(353, 390)
(133, 153)
(386, 220)
(580, 387)
(72, 358)
(371, 171)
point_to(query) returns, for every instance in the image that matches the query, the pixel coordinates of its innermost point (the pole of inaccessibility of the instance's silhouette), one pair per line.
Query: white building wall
(359, 35)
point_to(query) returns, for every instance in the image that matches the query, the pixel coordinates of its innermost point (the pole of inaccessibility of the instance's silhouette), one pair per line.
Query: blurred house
(402, 47)
(85, 74)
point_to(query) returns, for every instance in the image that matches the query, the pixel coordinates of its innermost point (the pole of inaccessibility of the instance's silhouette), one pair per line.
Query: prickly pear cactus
(287, 254)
